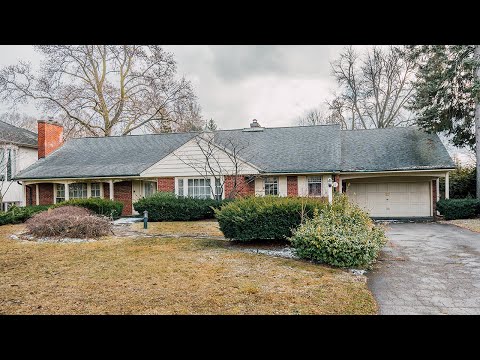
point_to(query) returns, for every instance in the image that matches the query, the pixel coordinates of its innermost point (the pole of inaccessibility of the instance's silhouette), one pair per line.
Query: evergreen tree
(447, 93)
(211, 125)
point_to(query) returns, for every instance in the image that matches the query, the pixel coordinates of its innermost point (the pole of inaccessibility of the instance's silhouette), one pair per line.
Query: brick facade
(50, 137)
(245, 186)
(292, 186)
(106, 191)
(45, 192)
(122, 191)
(166, 184)
(31, 195)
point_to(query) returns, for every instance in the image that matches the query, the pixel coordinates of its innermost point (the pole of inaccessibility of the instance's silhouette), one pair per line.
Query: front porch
(124, 190)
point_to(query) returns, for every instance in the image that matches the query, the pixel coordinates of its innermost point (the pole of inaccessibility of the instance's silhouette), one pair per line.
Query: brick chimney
(50, 137)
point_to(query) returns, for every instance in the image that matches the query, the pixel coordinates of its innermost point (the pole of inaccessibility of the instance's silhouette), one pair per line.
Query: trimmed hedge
(265, 218)
(164, 206)
(458, 208)
(17, 215)
(105, 207)
(341, 235)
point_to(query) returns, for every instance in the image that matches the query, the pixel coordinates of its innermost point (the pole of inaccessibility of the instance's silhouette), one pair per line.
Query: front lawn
(470, 224)
(145, 275)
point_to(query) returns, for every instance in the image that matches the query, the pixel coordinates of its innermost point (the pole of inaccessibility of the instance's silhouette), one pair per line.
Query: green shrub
(463, 183)
(265, 218)
(458, 208)
(168, 207)
(99, 206)
(341, 235)
(17, 215)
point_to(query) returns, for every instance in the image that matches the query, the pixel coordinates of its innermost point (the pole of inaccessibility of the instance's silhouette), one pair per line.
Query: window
(199, 188)
(218, 189)
(59, 193)
(180, 187)
(95, 190)
(149, 188)
(314, 186)
(271, 186)
(77, 191)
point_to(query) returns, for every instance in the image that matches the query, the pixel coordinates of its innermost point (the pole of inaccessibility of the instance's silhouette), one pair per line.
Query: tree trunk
(477, 122)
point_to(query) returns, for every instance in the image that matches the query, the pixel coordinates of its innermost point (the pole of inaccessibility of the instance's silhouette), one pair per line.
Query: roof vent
(254, 126)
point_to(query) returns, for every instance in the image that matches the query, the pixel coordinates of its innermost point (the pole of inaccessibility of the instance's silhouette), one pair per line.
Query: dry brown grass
(167, 276)
(182, 228)
(470, 224)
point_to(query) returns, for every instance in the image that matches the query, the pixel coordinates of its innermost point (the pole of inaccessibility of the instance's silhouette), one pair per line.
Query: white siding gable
(189, 160)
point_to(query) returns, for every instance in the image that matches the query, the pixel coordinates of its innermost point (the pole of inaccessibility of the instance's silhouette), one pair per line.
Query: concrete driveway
(428, 268)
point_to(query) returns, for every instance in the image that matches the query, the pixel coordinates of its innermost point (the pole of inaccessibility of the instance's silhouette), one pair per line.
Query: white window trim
(265, 187)
(185, 184)
(142, 185)
(321, 185)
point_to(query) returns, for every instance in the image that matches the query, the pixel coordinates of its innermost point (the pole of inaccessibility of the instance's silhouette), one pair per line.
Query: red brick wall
(45, 194)
(50, 137)
(243, 187)
(434, 197)
(166, 184)
(292, 186)
(122, 191)
(106, 191)
(31, 200)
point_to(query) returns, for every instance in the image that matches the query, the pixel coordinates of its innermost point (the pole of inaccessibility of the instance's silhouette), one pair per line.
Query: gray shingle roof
(107, 156)
(273, 150)
(401, 148)
(11, 134)
(288, 149)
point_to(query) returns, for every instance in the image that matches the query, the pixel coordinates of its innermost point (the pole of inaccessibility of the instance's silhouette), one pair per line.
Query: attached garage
(393, 199)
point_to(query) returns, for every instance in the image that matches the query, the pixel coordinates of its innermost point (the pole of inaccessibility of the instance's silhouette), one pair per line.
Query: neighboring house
(18, 150)
(391, 172)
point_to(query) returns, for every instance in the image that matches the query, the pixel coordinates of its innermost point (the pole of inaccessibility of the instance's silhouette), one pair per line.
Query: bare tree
(186, 116)
(374, 88)
(102, 89)
(220, 159)
(318, 116)
(21, 120)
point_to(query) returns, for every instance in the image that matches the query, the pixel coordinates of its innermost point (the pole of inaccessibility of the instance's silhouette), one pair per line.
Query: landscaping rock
(358, 272)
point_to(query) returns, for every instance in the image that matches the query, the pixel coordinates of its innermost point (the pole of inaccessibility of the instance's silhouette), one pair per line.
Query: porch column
(438, 188)
(447, 186)
(37, 195)
(67, 191)
(339, 187)
(24, 192)
(110, 184)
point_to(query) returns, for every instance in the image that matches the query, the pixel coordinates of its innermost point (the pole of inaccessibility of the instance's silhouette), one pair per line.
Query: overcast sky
(235, 84)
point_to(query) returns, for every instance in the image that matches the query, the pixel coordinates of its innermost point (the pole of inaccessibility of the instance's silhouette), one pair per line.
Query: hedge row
(459, 208)
(164, 206)
(17, 215)
(265, 218)
(105, 207)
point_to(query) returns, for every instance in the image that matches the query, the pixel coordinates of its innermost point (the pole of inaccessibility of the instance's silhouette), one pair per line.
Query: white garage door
(392, 199)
